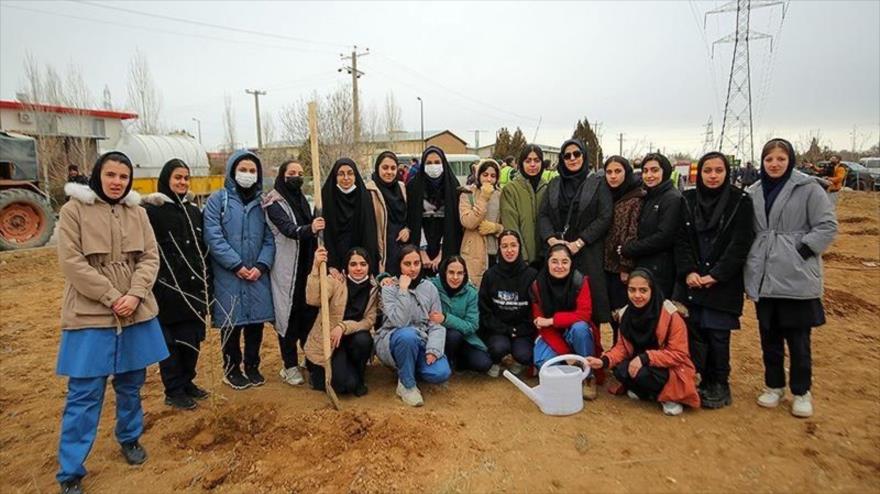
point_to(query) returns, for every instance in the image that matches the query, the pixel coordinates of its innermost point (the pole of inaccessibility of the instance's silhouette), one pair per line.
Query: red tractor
(26, 216)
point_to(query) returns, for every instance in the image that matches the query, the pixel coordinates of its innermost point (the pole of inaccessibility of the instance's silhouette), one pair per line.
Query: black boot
(72, 486)
(180, 401)
(195, 392)
(718, 397)
(134, 453)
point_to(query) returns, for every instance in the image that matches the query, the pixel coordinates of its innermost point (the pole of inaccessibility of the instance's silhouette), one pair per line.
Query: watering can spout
(523, 387)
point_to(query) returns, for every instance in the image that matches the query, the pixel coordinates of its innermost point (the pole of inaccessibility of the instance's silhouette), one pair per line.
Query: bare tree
(143, 95)
(229, 123)
(268, 124)
(392, 116)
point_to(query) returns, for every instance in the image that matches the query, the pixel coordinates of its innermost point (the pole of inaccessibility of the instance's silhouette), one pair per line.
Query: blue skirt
(100, 352)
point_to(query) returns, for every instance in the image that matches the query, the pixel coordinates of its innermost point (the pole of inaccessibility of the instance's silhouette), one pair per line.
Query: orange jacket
(838, 178)
(673, 354)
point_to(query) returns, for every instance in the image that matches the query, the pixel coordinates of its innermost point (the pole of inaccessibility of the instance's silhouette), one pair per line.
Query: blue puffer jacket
(237, 235)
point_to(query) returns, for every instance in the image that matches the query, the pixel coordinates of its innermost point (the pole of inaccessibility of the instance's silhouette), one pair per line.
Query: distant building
(550, 152)
(411, 142)
(61, 121)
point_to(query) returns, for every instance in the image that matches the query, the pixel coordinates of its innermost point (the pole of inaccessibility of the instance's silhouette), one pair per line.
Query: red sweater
(563, 320)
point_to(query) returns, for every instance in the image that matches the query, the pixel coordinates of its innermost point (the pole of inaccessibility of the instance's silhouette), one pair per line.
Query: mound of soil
(845, 304)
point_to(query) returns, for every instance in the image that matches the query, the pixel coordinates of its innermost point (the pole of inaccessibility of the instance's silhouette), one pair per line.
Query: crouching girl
(411, 338)
(352, 308)
(651, 357)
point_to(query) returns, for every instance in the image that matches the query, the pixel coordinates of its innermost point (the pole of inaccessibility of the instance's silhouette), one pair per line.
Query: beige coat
(105, 252)
(338, 296)
(382, 218)
(474, 207)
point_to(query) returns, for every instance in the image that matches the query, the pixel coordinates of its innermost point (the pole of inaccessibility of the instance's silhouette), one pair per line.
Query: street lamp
(422, 118)
(199, 126)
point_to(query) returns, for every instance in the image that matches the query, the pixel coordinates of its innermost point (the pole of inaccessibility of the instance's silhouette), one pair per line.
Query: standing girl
(389, 204)
(432, 214)
(628, 196)
(794, 225)
(479, 210)
(348, 212)
(521, 199)
(294, 229)
(182, 286)
(108, 255)
(242, 250)
(710, 253)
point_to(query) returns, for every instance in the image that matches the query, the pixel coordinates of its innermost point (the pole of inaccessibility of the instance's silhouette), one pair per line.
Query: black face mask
(294, 184)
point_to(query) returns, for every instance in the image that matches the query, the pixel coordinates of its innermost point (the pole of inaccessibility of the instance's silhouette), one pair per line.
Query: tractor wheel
(26, 219)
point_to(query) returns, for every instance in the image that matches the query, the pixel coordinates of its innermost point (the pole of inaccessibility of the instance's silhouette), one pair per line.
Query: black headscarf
(630, 180)
(348, 214)
(534, 180)
(291, 191)
(639, 325)
(511, 269)
(95, 179)
(421, 188)
(163, 184)
(444, 265)
(247, 195)
(571, 181)
(358, 292)
(711, 203)
(558, 294)
(395, 203)
(772, 186)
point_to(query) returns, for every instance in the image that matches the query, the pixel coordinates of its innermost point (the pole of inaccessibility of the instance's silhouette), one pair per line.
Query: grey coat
(284, 266)
(802, 214)
(410, 310)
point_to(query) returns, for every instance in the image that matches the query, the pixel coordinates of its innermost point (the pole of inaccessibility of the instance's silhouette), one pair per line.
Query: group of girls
(433, 278)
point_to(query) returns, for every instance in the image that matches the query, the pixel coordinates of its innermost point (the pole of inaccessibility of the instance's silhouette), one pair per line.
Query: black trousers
(179, 369)
(647, 384)
(521, 348)
(348, 362)
(302, 318)
(464, 356)
(773, 341)
(716, 368)
(231, 338)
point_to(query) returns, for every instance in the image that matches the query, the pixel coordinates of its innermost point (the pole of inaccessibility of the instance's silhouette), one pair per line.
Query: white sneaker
(802, 405)
(411, 396)
(516, 368)
(771, 397)
(672, 408)
(494, 371)
(292, 376)
(632, 396)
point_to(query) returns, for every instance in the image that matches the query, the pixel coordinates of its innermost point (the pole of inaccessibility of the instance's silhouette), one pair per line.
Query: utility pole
(199, 126)
(257, 93)
(709, 136)
(737, 125)
(620, 140)
(355, 75)
(854, 139)
(422, 118)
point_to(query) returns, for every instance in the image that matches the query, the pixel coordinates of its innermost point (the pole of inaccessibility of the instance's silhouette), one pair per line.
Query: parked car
(873, 166)
(858, 176)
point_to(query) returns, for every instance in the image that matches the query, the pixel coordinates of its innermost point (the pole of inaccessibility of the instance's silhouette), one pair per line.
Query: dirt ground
(474, 434)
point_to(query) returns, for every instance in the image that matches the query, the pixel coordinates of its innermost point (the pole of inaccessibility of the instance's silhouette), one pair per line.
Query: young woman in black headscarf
(505, 316)
(521, 199)
(651, 356)
(710, 253)
(659, 222)
(433, 209)
(352, 307)
(576, 211)
(389, 204)
(561, 309)
(628, 196)
(794, 224)
(295, 228)
(183, 281)
(348, 212)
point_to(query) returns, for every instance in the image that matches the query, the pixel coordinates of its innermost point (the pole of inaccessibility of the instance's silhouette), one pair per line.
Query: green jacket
(519, 212)
(461, 313)
(507, 174)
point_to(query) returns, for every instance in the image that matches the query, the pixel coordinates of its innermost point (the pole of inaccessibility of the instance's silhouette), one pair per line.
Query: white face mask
(245, 180)
(348, 190)
(434, 170)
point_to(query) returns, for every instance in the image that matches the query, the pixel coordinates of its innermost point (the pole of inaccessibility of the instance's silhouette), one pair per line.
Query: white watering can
(560, 391)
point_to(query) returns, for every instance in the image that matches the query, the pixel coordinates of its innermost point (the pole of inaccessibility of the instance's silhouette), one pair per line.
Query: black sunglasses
(572, 155)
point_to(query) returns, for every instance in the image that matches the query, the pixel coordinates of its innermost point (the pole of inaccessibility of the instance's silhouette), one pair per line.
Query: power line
(208, 24)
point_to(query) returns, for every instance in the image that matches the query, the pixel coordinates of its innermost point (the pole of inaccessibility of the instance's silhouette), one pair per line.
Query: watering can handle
(562, 358)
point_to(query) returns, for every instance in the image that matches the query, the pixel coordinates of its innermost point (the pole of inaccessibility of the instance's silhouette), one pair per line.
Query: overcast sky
(640, 68)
